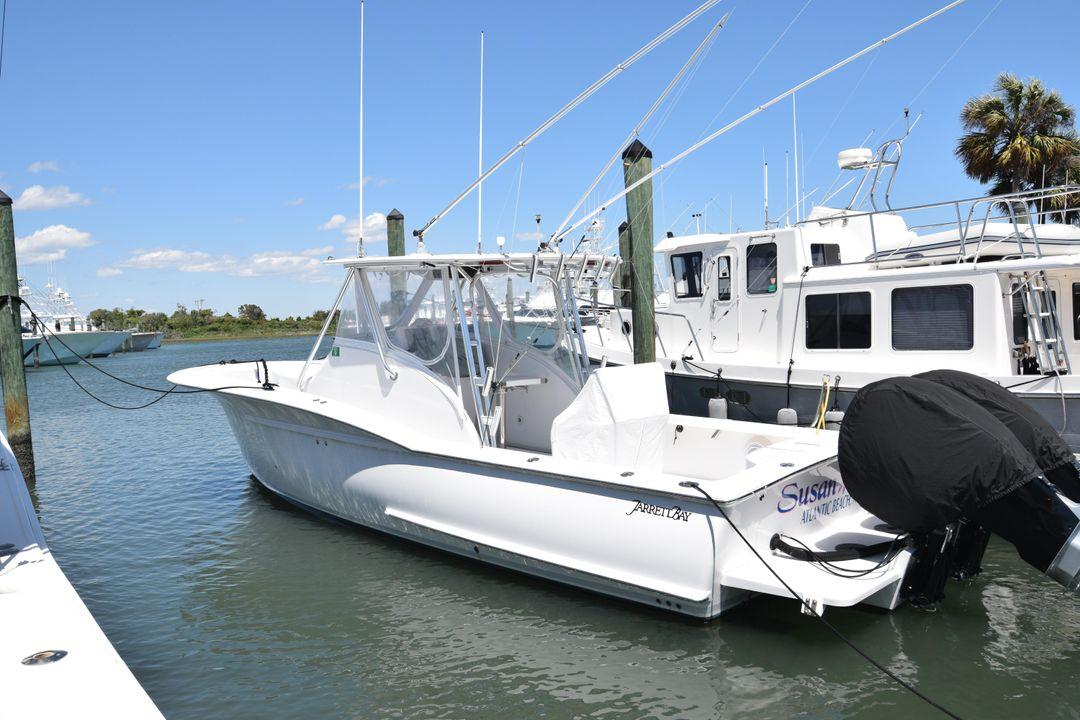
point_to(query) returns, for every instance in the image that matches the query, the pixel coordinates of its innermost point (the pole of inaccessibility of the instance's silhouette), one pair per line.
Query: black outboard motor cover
(1036, 434)
(920, 455)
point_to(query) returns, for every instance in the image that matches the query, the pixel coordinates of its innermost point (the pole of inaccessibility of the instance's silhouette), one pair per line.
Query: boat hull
(111, 341)
(140, 341)
(65, 348)
(666, 551)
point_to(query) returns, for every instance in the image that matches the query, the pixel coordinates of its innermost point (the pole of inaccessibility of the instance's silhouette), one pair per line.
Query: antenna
(795, 136)
(697, 222)
(360, 192)
(787, 189)
(756, 111)
(480, 159)
(766, 162)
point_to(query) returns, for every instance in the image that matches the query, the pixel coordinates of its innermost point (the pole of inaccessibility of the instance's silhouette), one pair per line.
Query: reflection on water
(226, 602)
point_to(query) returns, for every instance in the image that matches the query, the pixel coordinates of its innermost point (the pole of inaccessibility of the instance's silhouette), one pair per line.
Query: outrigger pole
(582, 97)
(760, 108)
(644, 119)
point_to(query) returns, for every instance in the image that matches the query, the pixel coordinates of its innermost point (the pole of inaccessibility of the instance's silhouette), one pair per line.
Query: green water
(228, 604)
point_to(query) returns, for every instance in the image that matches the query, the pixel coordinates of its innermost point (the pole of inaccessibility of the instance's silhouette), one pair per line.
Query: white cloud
(107, 272)
(165, 258)
(303, 264)
(50, 243)
(337, 220)
(374, 229)
(39, 197)
(295, 202)
(535, 235)
(43, 166)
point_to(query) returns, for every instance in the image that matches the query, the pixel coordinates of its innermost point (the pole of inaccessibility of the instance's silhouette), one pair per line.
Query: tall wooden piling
(12, 374)
(395, 246)
(637, 162)
(623, 299)
(395, 233)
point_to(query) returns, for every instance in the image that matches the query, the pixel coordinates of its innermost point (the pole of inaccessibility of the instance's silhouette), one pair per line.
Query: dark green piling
(12, 374)
(637, 162)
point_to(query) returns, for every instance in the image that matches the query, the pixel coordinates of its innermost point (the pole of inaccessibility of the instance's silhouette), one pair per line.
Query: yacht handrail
(963, 226)
(689, 325)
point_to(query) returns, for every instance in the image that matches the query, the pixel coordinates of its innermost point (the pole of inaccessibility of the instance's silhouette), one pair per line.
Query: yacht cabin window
(723, 284)
(824, 254)
(838, 321)
(761, 268)
(686, 274)
(933, 318)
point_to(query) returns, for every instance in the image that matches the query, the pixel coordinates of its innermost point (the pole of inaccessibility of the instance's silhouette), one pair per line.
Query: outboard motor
(923, 457)
(1053, 454)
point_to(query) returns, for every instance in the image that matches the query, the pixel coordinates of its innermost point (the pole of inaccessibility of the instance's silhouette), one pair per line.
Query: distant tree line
(250, 319)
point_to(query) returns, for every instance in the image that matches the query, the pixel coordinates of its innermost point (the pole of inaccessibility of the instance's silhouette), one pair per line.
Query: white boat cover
(619, 418)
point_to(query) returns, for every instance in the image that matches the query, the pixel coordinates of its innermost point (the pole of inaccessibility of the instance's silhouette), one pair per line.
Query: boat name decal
(793, 495)
(675, 512)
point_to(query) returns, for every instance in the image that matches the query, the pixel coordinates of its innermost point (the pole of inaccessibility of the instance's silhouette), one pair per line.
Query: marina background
(197, 151)
(217, 597)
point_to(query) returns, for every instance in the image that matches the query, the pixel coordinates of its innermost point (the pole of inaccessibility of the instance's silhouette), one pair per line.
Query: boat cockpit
(466, 325)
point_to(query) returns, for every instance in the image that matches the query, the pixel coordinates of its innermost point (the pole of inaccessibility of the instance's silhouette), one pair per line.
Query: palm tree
(1016, 135)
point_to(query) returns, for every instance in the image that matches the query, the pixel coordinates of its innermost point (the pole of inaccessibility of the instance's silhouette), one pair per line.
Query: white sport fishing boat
(60, 333)
(779, 318)
(433, 419)
(57, 661)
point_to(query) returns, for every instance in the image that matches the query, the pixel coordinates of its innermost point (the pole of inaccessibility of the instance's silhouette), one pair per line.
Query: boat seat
(619, 418)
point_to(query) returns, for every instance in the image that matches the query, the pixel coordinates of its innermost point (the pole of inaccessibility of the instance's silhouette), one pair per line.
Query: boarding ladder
(1043, 322)
(1044, 326)
(481, 378)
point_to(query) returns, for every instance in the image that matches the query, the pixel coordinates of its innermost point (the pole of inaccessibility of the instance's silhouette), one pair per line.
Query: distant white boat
(57, 661)
(140, 341)
(63, 335)
(66, 348)
(111, 342)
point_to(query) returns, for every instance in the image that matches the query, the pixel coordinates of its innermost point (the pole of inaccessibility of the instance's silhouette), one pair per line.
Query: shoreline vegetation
(185, 325)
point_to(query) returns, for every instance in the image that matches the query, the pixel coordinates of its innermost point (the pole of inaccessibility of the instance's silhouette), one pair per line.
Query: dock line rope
(813, 611)
(163, 393)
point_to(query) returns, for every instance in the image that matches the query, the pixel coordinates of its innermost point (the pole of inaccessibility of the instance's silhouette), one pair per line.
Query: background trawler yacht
(764, 320)
(438, 417)
(55, 310)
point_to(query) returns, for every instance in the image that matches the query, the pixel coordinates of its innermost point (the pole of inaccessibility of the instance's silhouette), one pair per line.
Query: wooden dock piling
(637, 162)
(12, 373)
(395, 233)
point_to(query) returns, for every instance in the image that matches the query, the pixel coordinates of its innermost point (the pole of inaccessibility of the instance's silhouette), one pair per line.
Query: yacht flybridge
(441, 417)
(776, 319)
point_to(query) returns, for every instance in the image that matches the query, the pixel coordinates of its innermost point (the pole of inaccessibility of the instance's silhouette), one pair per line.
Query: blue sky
(165, 153)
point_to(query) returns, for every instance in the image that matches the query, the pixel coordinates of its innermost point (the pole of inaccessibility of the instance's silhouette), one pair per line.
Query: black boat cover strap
(848, 552)
(920, 455)
(1030, 428)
